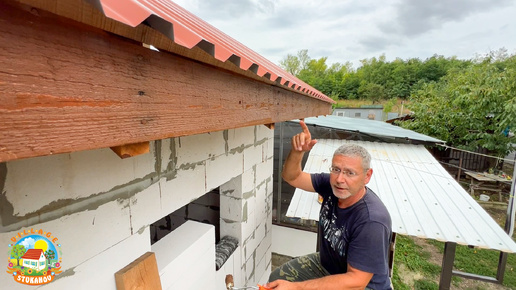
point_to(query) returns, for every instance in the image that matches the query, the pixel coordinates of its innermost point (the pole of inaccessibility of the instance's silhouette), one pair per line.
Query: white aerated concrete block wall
(100, 207)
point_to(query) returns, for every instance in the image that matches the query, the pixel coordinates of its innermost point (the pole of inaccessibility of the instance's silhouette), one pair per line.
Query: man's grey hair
(353, 150)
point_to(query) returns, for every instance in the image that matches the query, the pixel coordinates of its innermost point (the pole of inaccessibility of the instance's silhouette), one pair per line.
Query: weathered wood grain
(65, 86)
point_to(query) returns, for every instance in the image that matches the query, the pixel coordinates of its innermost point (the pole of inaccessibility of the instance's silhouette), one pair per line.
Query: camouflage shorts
(300, 269)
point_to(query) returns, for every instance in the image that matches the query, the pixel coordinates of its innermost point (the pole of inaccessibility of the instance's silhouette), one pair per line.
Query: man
(354, 225)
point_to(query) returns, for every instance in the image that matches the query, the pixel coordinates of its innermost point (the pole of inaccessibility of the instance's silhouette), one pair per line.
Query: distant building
(369, 112)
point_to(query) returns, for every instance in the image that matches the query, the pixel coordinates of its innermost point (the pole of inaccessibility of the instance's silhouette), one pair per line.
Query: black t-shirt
(359, 235)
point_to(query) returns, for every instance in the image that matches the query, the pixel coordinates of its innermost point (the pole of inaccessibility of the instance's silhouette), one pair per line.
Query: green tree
(49, 254)
(291, 64)
(372, 91)
(17, 252)
(469, 108)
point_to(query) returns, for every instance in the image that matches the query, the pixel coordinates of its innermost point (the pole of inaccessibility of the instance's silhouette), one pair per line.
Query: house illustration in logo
(35, 259)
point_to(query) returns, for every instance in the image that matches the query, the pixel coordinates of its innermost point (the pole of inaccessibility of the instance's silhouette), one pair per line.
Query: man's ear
(369, 173)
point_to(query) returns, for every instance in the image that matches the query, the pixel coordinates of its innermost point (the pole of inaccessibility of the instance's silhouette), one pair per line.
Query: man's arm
(352, 279)
(292, 172)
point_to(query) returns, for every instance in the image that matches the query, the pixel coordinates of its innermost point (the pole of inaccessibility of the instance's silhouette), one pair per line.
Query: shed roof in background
(423, 199)
(188, 30)
(369, 127)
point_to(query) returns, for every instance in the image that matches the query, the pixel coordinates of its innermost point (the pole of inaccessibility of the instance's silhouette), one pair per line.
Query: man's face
(351, 179)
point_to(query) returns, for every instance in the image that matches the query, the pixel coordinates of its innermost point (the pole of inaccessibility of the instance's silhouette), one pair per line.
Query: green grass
(476, 261)
(482, 262)
(411, 256)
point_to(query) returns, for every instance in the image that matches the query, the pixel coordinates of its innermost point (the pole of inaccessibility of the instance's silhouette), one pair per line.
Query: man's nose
(341, 178)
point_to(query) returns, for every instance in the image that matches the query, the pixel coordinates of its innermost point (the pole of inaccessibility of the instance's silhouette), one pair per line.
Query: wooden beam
(65, 87)
(130, 150)
(141, 274)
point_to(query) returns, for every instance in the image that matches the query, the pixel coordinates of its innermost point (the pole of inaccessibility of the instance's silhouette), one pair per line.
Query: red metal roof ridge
(188, 30)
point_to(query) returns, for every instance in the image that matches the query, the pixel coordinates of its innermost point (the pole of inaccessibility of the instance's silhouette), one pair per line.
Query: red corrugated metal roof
(33, 254)
(188, 30)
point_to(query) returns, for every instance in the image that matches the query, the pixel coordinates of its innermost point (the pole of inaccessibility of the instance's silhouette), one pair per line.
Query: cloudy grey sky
(352, 30)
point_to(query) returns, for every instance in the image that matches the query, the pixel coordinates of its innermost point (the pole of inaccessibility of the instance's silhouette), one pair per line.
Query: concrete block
(36, 182)
(145, 207)
(196, 148)
(264, 171)
(223, 168)
(99, 271)
(248, 227)
(264, 277)
(231, 208)
(231, 228)
(260, 232)
(232, 188)
(268, 149)
(252, 156)
(263, 133)
(260, 270)
(264, 247)
(238, 267)
(187, 186)
(198, 274)
(249, 272)
(261, 203)
(241, 137)
(239, 186)
(268, 225)
(191, 259)
(168, 154)
(250, 247)
(248, 181)
(306, 242)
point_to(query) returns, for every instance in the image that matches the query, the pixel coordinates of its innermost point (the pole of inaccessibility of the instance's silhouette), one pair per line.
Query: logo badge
(34, 257)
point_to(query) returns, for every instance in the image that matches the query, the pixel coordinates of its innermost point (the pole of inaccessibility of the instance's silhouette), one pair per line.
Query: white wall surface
(100, 206)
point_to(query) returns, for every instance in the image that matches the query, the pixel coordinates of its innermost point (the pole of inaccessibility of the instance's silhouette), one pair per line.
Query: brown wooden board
(66, 86)
(141, 274)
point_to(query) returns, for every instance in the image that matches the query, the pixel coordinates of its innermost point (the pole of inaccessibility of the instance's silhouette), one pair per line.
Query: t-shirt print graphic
(332, 233)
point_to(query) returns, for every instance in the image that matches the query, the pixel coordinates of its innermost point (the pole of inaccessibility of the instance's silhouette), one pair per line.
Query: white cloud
(28, 243)
(358, 29)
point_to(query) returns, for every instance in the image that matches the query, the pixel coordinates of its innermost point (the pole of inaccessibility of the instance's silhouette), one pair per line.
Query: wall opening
(205, 209)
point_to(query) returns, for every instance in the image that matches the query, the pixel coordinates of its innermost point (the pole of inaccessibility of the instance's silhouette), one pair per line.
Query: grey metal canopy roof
(423, 199)
(369, 127)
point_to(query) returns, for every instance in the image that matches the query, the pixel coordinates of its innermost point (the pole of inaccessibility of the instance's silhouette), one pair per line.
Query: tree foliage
(17, 252)
(49, 254)
(467, 103)
(396, 79)
(469, 108)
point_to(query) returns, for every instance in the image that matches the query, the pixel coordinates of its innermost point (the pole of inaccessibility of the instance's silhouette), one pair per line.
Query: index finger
(304, 127)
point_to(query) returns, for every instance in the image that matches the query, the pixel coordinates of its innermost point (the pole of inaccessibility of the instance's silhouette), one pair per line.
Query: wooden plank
(141, 274)
(130, 150)
(65, 87)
